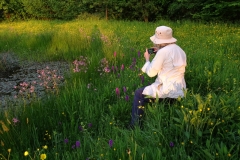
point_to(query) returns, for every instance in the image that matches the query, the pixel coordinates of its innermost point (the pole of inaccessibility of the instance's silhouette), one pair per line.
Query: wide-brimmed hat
(163, 34)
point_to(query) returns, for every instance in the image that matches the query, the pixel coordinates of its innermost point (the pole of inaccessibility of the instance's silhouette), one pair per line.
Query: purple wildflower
(73, 146)
(171, 144)
(89, 125)
(117, 92)
(139, 53)
(15, 120)
(132, 66)
(127, 98)
(106, 69)
(80, 128)
(66, 140)
(110, 143)
(124, 89)
(115, 54)
(134, 59)
(81, 65)
(122, 67)
(113, 69)
(78, 144)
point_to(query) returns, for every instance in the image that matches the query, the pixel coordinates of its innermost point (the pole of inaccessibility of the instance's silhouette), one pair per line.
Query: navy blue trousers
(138, 106)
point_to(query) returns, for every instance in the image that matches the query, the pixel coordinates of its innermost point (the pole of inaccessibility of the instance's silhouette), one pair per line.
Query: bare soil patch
(28, 73)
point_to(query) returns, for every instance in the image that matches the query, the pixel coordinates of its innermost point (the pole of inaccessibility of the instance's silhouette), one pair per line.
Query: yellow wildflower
(4, 127)
(45, 147)
(43, 156)
(26, 153)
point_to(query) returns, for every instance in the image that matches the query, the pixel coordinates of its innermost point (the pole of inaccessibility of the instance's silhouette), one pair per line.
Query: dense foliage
(144, 10)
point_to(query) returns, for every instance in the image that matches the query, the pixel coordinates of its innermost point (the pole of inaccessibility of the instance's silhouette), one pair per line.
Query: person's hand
(147, 55)
(155, 49)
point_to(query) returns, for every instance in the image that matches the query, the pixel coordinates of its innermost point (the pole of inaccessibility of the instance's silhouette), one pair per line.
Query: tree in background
(141, 10)
(52, 9)
(144, 10)
(223, 10)
(207, 10)
(12, 10)
(39, 9)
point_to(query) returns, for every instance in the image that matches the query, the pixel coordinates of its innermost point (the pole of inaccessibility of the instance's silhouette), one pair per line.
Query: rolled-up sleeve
(152, 69)
(144, 68)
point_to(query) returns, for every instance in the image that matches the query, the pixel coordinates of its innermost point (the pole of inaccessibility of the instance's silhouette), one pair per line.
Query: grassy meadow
(87, 117)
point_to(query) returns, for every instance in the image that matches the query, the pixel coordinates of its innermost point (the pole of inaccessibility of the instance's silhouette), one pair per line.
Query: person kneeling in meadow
(169, 65)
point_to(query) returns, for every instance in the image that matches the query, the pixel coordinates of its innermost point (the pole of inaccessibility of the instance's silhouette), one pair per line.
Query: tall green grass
(203, 125)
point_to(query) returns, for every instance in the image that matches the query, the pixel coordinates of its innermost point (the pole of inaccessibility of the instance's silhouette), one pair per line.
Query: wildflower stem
(3, 157)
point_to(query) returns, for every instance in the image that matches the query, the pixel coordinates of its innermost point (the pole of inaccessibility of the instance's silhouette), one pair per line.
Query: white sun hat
(163, 34)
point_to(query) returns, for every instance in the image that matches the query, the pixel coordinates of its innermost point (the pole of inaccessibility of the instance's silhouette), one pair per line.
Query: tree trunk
(106, 13)
(146, 18)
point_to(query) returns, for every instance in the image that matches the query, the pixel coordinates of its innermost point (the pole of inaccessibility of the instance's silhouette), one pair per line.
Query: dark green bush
(145, 10)
(52, 9)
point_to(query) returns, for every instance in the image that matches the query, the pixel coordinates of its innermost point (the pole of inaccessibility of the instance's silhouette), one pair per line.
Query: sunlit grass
(87, 117)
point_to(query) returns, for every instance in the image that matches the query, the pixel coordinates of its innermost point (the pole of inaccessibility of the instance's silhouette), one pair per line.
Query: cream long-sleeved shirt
(169, 65)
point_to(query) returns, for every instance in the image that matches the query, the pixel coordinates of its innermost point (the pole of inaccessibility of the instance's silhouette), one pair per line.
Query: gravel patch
(28, 81)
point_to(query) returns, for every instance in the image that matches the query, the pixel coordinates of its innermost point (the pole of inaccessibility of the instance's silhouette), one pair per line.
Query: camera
(151, 51)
